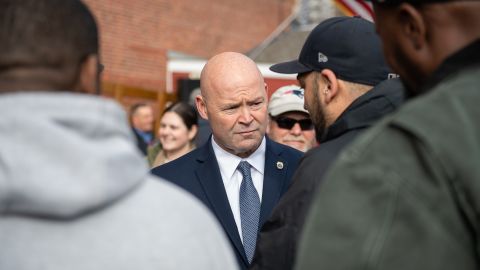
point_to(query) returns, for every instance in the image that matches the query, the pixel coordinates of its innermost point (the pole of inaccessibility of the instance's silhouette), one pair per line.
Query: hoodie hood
(64, 154)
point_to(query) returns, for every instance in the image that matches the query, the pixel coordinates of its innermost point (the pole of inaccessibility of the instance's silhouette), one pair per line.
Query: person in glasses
(344, 74)
(290, 123)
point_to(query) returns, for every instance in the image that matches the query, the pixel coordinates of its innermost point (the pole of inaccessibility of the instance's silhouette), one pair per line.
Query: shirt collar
(146, 136)
(229, 163)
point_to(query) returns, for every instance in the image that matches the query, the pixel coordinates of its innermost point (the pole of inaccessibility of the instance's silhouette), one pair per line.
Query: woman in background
(176, 134)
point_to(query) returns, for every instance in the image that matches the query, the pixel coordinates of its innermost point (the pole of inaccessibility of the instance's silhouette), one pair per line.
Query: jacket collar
(368, 108)
(461, 60)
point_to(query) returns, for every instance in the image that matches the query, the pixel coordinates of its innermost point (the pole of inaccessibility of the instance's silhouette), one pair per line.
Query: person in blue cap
(407, 194)
(345, 77)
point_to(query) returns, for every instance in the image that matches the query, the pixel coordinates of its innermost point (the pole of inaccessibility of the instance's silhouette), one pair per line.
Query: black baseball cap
(349, 46)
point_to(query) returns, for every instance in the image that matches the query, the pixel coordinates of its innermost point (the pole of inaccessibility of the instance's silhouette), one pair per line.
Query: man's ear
(330, 89)
(413, 26)
(201, 106)
(89, 77)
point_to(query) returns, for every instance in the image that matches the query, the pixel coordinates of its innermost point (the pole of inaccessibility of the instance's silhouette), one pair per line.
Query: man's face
(238, 115)
(292, 129)
(142, 119)
(313, 103)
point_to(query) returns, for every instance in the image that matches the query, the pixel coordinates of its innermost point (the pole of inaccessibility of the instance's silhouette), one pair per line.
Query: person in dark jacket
(406, 194)
(141, 118)
(344, 75)
(239, 173)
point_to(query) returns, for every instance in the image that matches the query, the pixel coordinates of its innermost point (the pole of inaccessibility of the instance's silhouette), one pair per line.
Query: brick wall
(136, 35)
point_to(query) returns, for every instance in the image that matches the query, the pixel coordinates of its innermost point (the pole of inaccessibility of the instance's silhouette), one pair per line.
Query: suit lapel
(273, 180)
(210, 178)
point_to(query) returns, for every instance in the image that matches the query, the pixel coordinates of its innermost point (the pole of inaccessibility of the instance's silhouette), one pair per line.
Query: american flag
(356, 8)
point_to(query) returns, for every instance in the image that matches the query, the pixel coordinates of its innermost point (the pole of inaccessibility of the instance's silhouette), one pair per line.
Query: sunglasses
(288, 123)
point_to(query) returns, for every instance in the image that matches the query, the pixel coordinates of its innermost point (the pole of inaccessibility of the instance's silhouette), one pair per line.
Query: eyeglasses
(288, 123)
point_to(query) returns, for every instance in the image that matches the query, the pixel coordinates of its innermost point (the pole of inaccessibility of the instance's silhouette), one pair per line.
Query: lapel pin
(279, 165)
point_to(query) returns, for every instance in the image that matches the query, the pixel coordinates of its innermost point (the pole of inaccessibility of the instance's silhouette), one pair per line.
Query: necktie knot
(244, 168)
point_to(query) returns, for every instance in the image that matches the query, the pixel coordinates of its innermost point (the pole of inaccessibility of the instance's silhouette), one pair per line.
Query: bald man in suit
(239, 173)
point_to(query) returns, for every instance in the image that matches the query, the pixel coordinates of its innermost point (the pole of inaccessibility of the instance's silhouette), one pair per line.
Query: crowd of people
(370, 162)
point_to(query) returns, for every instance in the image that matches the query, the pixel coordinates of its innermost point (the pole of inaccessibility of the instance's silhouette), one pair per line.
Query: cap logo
(297, 93)
(393, 76)
(322, 58)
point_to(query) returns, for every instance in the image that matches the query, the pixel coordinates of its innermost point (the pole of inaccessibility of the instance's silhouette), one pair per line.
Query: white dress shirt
(232, 178)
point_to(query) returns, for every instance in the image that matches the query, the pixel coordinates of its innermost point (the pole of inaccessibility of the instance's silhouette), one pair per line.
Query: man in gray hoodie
(74, 191)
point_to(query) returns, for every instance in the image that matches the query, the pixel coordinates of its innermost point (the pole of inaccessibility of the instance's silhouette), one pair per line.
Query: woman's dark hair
(185, 111)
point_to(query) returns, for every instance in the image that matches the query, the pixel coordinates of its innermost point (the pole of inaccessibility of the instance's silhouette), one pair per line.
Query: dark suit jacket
(141, 144)
(198, 173)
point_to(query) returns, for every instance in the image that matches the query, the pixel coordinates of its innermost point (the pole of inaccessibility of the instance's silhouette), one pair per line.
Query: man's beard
(317, 114)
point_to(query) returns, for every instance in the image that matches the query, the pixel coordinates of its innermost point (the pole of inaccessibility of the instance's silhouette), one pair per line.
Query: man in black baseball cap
(407, 195)
(344, 74)
(340, 49)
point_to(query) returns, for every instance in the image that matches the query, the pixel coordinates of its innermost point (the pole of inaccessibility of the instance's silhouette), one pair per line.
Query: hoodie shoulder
(149, 228)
